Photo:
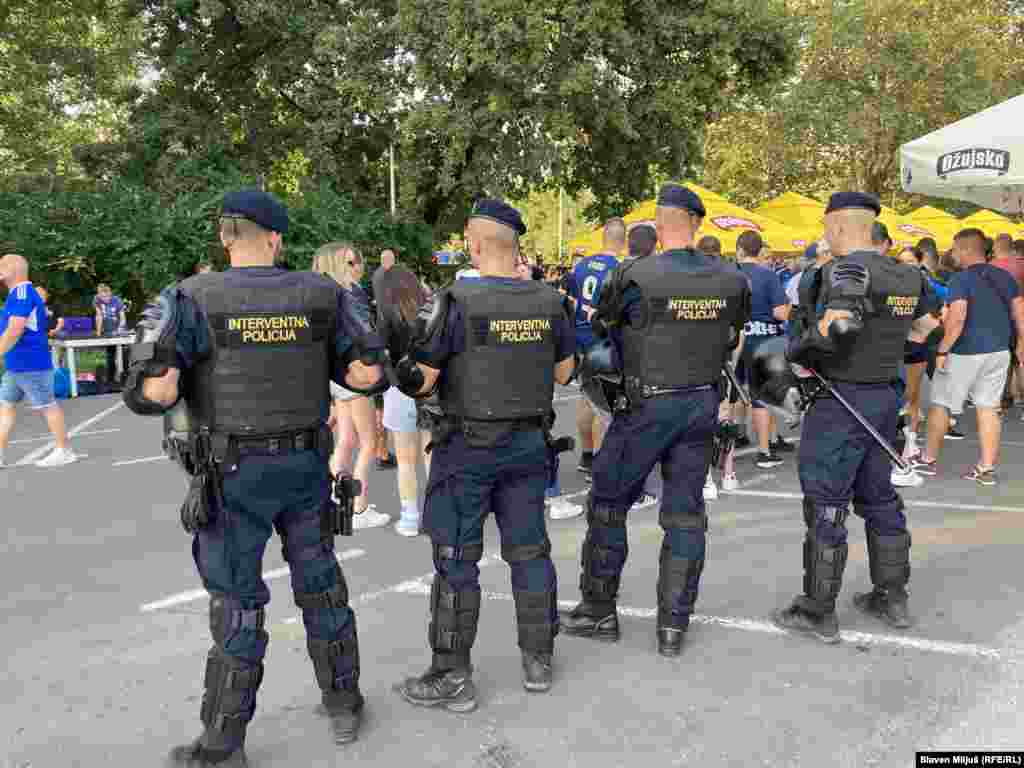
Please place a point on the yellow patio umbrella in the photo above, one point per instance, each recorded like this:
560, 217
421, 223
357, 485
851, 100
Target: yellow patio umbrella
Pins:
935, 223
727, 222
796, 210
724, 220
902, 230
992, 224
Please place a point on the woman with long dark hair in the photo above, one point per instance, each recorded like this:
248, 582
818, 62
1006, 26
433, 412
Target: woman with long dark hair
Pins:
399, 299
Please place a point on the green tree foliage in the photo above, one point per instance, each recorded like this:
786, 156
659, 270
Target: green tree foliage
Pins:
64, 68
873, 74
479, 96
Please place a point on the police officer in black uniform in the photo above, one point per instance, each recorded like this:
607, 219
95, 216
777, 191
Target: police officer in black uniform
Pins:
855, 314
240, 362
495, 347
673, 318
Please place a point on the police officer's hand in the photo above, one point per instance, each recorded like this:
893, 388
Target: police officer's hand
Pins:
941, 359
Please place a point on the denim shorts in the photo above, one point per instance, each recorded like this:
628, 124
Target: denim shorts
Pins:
37, 386
399, 412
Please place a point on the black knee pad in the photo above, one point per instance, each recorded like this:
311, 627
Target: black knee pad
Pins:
524, 552
680, 520
835, 514
334, 597
228, 618
472, 553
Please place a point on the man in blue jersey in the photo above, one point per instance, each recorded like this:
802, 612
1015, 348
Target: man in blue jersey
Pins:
769, 310
589, 276
24, 330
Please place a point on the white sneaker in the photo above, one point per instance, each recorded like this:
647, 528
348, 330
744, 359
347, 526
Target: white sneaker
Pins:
645, 501
710, 489
563, 510
370, 518
730, 483
58, 458
909, 479
406, 530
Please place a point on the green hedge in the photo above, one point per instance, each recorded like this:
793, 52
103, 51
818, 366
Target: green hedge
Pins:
138, 242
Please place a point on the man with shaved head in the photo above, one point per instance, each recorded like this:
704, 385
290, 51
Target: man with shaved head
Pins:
28, 366
670, 320
501, 343
854, 316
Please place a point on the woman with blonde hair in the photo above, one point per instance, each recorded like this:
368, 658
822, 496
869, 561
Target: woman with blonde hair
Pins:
354, 420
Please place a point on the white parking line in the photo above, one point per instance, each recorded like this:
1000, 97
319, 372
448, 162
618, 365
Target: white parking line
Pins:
80, 434
39, 452
128, 462
909, 502
412, 586
198, 594
764, 627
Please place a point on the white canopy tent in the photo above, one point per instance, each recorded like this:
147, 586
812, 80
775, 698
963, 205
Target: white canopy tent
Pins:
979, 159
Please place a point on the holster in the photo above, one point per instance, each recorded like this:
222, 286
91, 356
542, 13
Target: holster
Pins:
340, 508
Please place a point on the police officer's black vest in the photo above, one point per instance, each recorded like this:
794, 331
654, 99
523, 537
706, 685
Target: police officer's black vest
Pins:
272, 333
687, 311
875, 355
507, 370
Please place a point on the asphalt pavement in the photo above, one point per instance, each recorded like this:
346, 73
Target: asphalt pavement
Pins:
106, 630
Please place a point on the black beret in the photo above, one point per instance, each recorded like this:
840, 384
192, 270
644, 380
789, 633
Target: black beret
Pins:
258, 207
678, 196
499, 211
841, 200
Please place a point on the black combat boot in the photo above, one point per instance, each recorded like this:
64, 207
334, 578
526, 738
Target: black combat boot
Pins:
670, 641
336, 665
448, 684
889, 561
814, 612
453, 622
593, 619
678, 583
229, 701
537, 625
194, 755
595, 616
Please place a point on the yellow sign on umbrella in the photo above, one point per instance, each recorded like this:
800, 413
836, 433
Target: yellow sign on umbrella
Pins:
941, 226
992, 224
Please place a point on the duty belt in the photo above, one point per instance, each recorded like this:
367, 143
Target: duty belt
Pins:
277, 444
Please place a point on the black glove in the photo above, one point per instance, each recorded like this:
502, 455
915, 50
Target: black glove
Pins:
154, 351
197, 512
409, 378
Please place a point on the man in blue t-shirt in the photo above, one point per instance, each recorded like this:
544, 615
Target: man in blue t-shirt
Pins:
29, 368
985, 313
769, 309
588, 277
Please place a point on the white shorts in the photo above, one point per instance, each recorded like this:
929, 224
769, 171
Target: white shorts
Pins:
399, 412
983, 377
339, 392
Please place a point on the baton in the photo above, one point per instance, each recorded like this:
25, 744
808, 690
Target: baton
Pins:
875, 434
731, 376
